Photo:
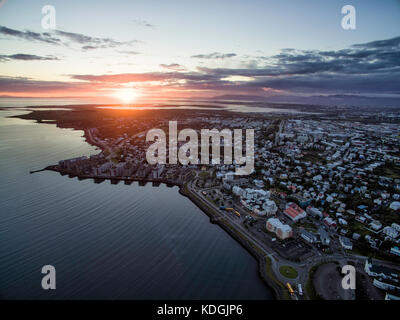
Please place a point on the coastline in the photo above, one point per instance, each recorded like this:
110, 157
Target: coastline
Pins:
264, 264
277, 291
266, 275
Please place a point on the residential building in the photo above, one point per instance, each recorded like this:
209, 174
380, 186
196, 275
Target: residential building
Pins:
294, 212
282, 231
346, 243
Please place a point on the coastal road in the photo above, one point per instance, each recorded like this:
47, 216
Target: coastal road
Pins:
267, 252
276, 263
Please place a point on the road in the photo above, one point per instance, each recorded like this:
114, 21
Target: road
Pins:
276, 262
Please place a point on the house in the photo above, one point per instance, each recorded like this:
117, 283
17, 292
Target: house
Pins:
324, 237
389, 296
396, 226
395, 251
361, 219
346, 243
390, 232
308, 236
294, 212
259, 183
380, 271
375, 225
386, 284
352, 212
356, 236
314, 212
329, 222
395, 205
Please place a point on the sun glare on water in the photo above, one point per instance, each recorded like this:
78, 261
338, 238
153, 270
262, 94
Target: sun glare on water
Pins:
127, 95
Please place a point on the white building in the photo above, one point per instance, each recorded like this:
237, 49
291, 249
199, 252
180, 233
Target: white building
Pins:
386, 285
308, 236
376, 225
395, 205
238, 191
396, 227
270, 207
346, 243
282, 231
395, 250
383, 272
390, 232
314, 212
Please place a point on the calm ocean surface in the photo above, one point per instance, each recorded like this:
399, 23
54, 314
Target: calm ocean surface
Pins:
105, 241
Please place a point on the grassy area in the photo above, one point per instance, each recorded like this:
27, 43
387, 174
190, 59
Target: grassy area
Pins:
391, 172
204, 175
312, 294
365, 251
313, 158
307, 225
271, 275
359, 228
288, 272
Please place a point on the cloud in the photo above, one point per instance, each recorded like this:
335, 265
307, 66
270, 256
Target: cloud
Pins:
129, 52
29, 85
92, 42
26, 57
173, 66
44, 37
144, 77
364, 69
60, 37
143, 23
215, 55
370, 67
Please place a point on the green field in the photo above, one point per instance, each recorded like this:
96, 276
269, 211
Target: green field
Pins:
288, 272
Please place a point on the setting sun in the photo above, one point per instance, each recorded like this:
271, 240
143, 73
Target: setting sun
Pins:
126, 95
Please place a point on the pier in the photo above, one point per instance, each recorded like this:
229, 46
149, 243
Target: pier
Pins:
114, 180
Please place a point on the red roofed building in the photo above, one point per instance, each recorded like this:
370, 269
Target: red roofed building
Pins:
294, 212
283, 195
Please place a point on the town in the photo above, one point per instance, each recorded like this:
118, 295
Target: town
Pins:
325, 191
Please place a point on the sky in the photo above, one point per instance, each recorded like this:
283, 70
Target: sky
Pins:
141, 49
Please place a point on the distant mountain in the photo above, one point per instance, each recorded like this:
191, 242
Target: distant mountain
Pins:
330, 100
241, 97
340, 100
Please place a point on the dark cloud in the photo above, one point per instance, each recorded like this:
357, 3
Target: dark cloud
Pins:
145, 77
25, 57
23, 84
59, 37
173, 66
92, 42
215, 55
370, 68
30, 35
